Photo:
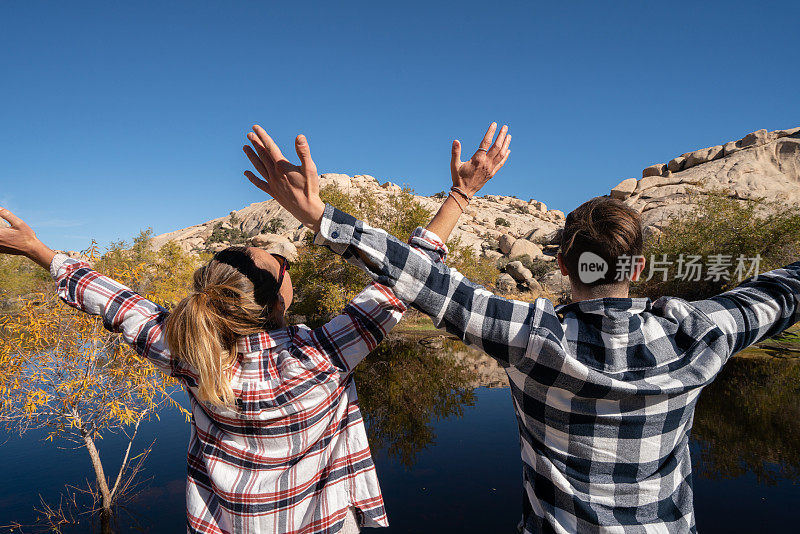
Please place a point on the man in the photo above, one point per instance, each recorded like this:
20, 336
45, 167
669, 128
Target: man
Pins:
605, 387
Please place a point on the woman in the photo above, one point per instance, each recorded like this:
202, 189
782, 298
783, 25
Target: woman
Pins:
277, 442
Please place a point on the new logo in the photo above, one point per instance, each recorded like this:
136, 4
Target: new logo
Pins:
591, 267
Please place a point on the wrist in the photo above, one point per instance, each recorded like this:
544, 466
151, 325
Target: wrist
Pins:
463, 192
41, 254
313, 216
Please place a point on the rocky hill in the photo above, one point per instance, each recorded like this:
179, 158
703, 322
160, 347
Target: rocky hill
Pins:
486, 220
761, 164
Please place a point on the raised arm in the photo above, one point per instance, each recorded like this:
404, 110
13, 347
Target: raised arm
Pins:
349, 337
139, 320
500, 327
469, 177
758, 309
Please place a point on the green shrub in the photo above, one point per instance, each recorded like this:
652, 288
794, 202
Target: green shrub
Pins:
720, 225
233, 235
471, 265
500, 221
274, 226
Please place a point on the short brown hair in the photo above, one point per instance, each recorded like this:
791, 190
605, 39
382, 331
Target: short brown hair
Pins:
606, 227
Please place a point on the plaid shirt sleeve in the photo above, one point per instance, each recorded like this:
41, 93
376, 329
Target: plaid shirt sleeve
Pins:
363, 323
498, 326
140, 321
350, 336
759, 308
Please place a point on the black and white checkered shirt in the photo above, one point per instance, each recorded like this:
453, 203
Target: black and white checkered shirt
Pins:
604, 389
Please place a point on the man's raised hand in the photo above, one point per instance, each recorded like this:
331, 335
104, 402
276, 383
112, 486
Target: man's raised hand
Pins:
296, 188
470, 176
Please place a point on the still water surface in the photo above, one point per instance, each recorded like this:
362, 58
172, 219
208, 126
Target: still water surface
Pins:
446, 450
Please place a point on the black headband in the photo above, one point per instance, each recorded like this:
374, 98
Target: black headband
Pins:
265, 285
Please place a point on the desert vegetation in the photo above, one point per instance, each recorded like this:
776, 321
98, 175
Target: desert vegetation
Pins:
719, 229
63, 373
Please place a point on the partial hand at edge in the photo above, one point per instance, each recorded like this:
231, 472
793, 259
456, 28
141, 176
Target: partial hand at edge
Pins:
20, 239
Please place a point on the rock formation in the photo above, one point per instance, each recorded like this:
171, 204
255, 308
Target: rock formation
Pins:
489, 220
760, 165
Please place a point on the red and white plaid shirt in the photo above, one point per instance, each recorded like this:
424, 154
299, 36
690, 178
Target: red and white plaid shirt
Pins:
292, 456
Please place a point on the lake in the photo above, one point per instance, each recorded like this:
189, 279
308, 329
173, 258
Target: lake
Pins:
445, 443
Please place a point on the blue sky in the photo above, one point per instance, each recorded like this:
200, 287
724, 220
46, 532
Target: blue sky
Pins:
118, 117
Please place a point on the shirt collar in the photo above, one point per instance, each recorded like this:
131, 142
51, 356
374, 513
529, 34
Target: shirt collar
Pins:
262, 341
608, 306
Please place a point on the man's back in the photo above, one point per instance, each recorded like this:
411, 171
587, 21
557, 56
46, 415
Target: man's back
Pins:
604, 389
605, 397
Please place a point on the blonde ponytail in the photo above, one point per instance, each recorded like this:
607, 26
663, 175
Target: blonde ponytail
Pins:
203, 328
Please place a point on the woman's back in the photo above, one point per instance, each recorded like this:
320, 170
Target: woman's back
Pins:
290, 454
294, 446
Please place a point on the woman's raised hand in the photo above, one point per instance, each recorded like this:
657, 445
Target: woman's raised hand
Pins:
18, 238
296, 188
470, 176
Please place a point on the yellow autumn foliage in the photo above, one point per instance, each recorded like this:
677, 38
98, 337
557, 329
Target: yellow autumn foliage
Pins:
61, 370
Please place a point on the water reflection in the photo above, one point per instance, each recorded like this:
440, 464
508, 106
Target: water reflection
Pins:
748, 421
405, 386
430, 430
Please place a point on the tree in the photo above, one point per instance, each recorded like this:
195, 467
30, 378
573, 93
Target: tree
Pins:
60, 370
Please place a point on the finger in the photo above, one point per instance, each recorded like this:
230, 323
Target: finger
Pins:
498, 143
258, 163
455, 159
12, 219
258, 182
304, 153
504, 149
261, 150
502, 161
270, 146
487, 139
